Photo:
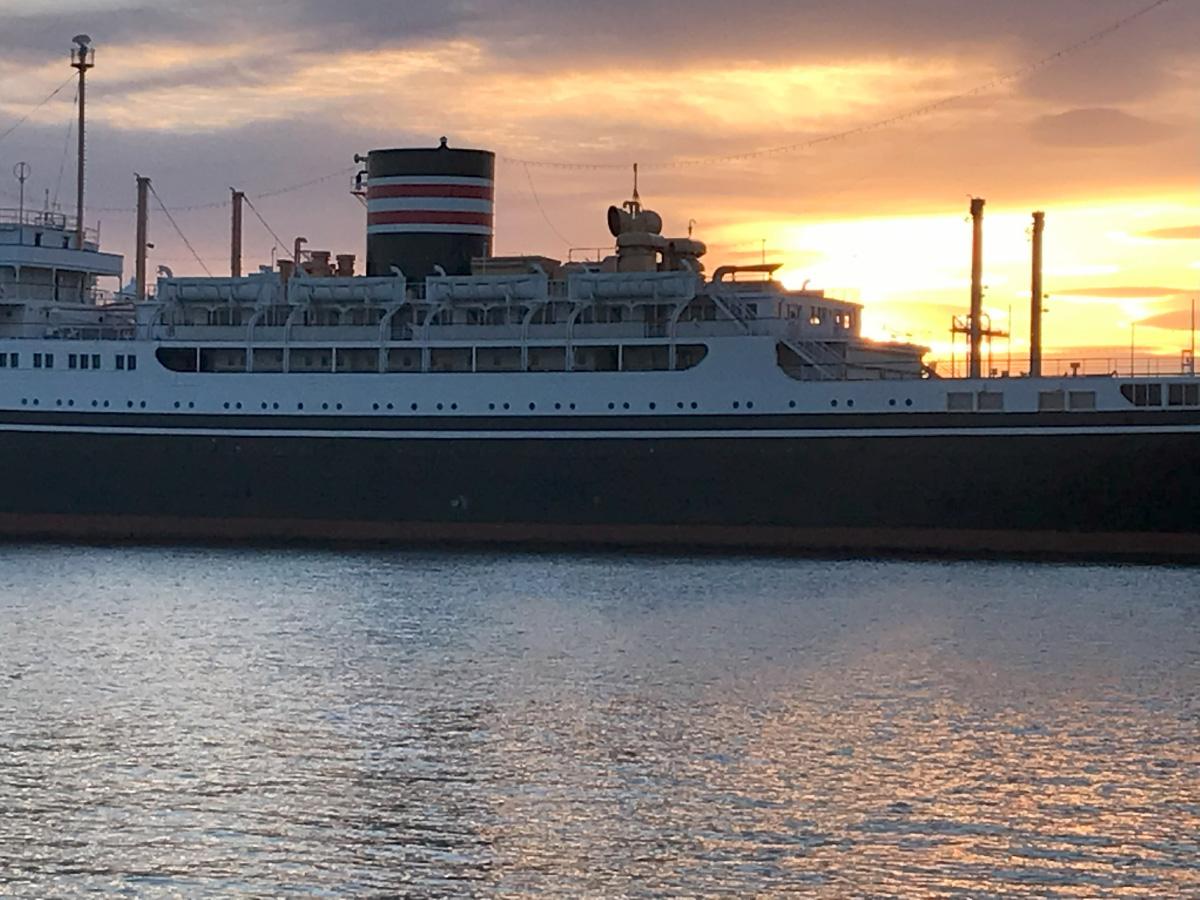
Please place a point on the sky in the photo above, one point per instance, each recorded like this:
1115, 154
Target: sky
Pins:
270, 94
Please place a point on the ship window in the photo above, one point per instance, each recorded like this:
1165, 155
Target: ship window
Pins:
121, 362
49, 360
960, 401
991, 401
1083, 400
131, 364
1175, 395
72, 361
1191, 394
37, 360
1156, 395
95, 360
3, 360
83, 361
1052, 401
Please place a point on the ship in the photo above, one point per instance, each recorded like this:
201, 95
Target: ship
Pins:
447, 395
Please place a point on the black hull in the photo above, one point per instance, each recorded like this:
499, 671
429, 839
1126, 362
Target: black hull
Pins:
1120, 494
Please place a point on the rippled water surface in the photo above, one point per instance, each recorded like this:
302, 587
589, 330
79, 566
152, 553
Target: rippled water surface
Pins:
224, 723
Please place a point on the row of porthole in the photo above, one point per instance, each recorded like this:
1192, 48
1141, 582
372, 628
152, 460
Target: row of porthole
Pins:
440, 407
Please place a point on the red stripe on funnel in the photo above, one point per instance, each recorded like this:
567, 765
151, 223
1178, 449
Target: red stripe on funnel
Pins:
429, 217
473, 192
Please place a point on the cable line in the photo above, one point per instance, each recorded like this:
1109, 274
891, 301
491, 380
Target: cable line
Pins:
538, 202
21, 121
916, 112
178, 230
279, 244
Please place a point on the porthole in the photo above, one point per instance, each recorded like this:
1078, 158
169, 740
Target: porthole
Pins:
106, 404
390, 406
95, 403
264, 406
35, 403
375, 406
891, 402
833, 403
70, 403
908, 403
339, 406
440, 407
572, 406
625, 405
612, 406
191, 405
143, 404
299, 406
491, 406
237, 406
24, 401
558, 406
679, 406
750, 404
695, 406
324, 406
532, 406
414, 407
792, 404
274, 406
506, 406
129, 404
453, 406
58, 403
177, 404
226, 405
736, 405
850, 403
653, 406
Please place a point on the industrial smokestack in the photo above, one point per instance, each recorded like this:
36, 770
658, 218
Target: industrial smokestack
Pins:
1035, 309
143, 214
977, 288
235, 235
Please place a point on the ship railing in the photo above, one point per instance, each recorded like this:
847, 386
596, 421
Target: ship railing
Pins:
1067, 366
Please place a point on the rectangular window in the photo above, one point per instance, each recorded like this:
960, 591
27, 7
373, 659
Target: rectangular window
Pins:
960, 401
1156, 395
1175, 395
14, 360
991, 401
37, 360
3, 360
1052, 401
1191, 394
1141, 395
49, 360
1083, 400
95, 360
132, 364
120, 362
83, 361
72, 361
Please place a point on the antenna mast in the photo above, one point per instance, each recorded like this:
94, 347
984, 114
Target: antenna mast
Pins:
83, 57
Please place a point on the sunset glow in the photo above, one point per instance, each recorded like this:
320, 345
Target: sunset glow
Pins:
878, 216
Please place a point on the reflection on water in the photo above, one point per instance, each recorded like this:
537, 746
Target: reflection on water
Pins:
205, 722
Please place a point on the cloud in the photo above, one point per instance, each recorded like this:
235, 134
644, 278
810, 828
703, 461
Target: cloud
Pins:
1183, 233
1122, 292
1097, 128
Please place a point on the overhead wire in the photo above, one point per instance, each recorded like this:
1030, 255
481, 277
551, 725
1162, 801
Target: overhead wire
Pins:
62, 165
279, 244
886, 122
25, 118
538, 203
179, 231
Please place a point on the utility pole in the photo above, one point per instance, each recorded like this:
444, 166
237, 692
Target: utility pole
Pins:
235, 250
143, 215
976, 323
83, 57
1037, 296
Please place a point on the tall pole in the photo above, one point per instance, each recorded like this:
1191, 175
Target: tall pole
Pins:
1036, 298
235, 249
976, 287
143, 215
82, 58
21, 170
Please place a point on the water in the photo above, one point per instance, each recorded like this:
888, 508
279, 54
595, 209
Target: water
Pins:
223, 723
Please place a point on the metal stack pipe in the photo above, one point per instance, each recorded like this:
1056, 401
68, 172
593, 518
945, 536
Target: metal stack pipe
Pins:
1035, 309
143, 215
976, 362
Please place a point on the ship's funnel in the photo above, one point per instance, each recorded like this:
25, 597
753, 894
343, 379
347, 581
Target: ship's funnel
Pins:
428, 208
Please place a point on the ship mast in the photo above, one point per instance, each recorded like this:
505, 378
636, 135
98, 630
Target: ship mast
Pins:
83, 57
